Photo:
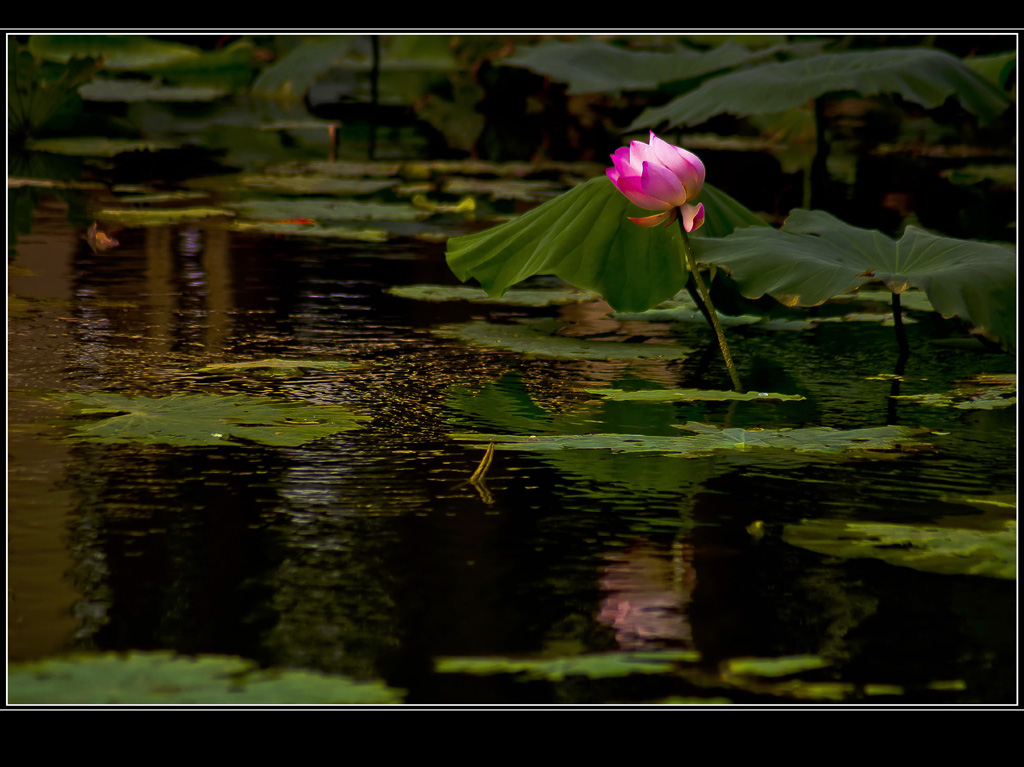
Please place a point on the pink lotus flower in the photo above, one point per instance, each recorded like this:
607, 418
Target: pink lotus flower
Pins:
659, 176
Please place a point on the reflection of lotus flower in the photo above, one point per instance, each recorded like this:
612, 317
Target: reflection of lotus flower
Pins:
662, 177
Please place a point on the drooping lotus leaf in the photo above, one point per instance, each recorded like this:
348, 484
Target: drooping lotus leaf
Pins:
584, 238
274, 364
691, 395
931, 548
816, 257
596, 666
478, 296
534, 337
207, 419
921, 75
708, 439
162, 677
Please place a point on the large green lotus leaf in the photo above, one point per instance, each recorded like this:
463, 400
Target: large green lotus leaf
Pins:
162, 677
708, 439
293, 74
133, 52
931, 548
597, 666
208, 419
923, 76
585, 238
591, 66
816, 257
534, 337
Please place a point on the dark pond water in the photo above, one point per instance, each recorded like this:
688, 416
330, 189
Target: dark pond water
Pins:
367, 553
611, 576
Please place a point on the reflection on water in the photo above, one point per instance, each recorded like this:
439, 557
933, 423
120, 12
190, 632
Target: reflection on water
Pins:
369, 553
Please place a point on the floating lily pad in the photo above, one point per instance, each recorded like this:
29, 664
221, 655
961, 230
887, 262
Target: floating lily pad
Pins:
162, 677
534, 337
328, 210
479, 296
135, 90
208, 419
597, 666
94, 146
158, 216
931, 548
274, 364
707, 439
309, 230
774, 667
691, 395
314, 184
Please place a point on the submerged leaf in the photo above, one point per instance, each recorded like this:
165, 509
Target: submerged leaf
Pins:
597, 666
535, 337
691, 395
208, 419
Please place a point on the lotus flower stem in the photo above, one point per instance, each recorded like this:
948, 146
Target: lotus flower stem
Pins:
691, 264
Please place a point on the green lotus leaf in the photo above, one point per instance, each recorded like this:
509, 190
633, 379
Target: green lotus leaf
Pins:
923, 76
207, 419
162, 677
591, 66
708, 439
584, 237
534, 337
596, 666
690, 395
931, 548
816, 257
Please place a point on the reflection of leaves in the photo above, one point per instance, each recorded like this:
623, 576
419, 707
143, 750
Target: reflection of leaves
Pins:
931, 548
162, 677
707, 439
534, 337
815, 257
584, 237
208, 419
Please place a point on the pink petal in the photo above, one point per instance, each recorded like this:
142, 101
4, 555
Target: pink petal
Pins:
659, 182
667, 218
631, 187
693, 217
686, 166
